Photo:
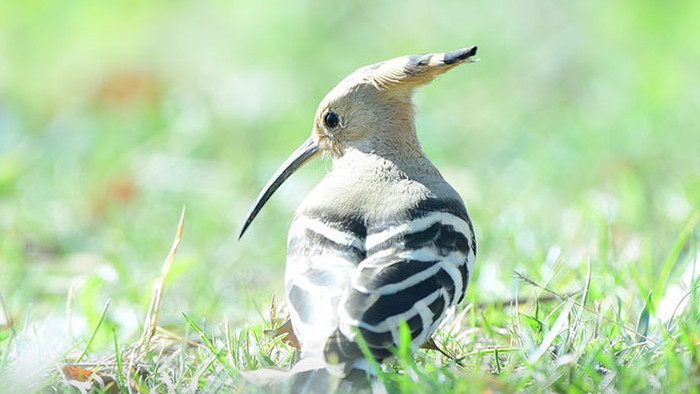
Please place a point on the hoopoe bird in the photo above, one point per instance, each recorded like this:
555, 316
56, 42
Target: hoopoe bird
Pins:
383, 238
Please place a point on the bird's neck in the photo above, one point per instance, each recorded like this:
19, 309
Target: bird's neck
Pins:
393, 140
374, 184
387, 158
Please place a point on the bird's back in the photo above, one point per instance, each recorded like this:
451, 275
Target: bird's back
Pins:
380, 240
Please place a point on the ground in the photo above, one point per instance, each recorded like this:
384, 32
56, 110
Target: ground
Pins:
574, 143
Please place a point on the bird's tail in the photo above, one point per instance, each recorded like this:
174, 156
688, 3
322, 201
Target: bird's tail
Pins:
315, 376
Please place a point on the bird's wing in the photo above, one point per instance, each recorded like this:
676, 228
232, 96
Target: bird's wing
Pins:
323, 250
417, 266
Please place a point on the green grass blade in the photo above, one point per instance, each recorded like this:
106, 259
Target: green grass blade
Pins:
672, 258
94, 332
210, 345
121, 379
642, 327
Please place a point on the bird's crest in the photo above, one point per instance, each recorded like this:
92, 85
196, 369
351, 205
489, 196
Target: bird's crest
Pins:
412, 70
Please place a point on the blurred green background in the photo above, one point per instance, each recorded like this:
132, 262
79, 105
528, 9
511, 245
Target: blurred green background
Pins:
574, 139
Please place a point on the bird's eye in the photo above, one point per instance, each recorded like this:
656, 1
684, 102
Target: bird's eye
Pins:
331, 119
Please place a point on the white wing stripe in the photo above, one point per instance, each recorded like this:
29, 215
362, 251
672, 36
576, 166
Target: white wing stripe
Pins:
340, 237
418, 225
424, 254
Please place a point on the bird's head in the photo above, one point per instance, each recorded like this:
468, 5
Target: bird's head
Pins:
366, 111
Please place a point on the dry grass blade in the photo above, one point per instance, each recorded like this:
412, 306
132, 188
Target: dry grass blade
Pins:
582, 305
525, 300
525, 279
430, 344
123, 365
151, 322
287, 332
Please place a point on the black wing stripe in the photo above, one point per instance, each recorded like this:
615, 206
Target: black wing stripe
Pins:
438, 306
373, 278
374, 309
444, 279
464, 272
348, 223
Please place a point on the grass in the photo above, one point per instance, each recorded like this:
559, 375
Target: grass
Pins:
574, 143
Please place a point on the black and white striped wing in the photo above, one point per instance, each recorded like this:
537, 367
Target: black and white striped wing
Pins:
417, 267
322, 252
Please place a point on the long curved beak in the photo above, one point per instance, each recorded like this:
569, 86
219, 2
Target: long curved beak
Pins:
308, 150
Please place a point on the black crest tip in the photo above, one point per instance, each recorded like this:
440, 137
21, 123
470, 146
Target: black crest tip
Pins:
459, 54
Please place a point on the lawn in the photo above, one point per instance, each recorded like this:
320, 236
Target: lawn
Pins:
575, 143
